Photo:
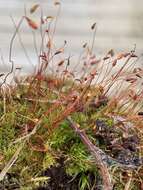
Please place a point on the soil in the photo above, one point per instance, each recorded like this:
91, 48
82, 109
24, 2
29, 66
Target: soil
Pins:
59, 180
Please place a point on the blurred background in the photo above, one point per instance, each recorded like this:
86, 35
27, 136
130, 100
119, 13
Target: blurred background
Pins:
119, 26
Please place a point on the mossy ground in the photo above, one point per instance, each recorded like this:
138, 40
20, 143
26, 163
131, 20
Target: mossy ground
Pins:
54, 140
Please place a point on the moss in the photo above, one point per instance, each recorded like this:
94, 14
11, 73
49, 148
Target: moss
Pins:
62, 136
20, 118
79, 160
7, 130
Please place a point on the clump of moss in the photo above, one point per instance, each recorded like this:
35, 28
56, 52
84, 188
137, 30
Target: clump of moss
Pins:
43, 149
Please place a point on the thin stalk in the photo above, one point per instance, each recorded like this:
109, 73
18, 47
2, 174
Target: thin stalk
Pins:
10, 52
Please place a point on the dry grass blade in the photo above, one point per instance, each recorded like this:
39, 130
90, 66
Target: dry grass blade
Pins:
128, 184
107, 184
10, 163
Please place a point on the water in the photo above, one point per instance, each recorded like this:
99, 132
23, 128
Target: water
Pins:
119, 26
